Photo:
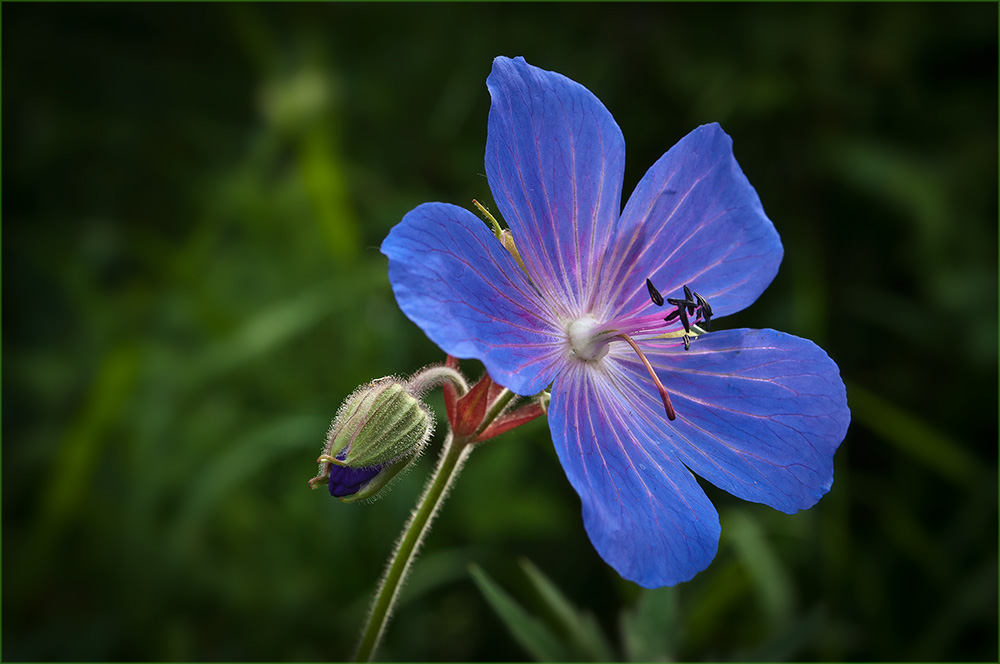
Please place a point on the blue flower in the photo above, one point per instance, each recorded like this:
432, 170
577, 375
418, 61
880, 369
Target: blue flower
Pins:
643, 395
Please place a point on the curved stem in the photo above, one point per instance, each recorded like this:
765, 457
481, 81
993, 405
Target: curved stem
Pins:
454, 452
434, 376
453, 455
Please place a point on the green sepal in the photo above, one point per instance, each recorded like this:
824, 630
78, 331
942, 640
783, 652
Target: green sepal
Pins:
381, 422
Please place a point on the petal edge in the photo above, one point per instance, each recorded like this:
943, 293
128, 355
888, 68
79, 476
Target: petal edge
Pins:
454, 280
760, 414
643, 510
695, 219
555, 161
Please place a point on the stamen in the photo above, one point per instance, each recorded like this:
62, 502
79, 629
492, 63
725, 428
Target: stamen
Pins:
704, 310
684, 318
667, 406
654, 294
681, 311
705, 307
693, 304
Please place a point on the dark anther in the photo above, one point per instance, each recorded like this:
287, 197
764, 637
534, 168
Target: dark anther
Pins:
687, 342
684, 319
689, 299
654, 294
692, 302
705, 307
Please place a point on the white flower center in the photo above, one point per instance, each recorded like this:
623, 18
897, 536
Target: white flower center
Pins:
584, 338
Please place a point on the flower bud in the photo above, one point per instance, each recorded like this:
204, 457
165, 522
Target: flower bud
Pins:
378, 431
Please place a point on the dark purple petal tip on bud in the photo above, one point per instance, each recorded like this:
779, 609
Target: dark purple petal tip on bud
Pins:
346, 481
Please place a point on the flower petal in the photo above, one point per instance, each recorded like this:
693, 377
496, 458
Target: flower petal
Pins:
694, 219
760, 413
555, 160
454, 279
347, 480
643, 510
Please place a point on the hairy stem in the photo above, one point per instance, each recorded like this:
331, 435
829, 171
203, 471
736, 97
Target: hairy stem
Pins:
453, 455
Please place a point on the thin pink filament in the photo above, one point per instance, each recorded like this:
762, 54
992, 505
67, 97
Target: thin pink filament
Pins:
667, 406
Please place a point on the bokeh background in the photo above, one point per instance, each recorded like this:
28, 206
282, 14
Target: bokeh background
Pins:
193, 197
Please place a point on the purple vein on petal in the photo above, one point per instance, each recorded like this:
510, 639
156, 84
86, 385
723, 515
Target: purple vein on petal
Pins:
636, 391
641, 226
525, 293
763, 455
543, 258
611, 403
652, 244
607, 427
569, 292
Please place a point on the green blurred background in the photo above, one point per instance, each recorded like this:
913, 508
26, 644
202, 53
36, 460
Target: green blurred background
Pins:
193, 200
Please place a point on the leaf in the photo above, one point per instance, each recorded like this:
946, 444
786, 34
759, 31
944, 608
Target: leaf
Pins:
916, 437
534, 636
788, 642
651, 631
764, 569
244, 459
582, 631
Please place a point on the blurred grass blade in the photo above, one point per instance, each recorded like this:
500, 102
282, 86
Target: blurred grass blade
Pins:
727, 587
326, 185
257, 450
790, 639
528, 631
651, 631
763, 567
974, 597
270, 328
932, 447
582, 631
87, 439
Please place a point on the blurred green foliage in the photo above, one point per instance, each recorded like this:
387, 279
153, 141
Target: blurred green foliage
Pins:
193, 200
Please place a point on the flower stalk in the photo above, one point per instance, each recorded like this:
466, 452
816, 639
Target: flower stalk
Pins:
453, 456
474, 415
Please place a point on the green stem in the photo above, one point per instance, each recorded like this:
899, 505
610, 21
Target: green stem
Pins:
453, 455
496, 408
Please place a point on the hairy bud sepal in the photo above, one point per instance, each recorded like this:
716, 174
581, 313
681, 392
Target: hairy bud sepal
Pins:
378, 431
